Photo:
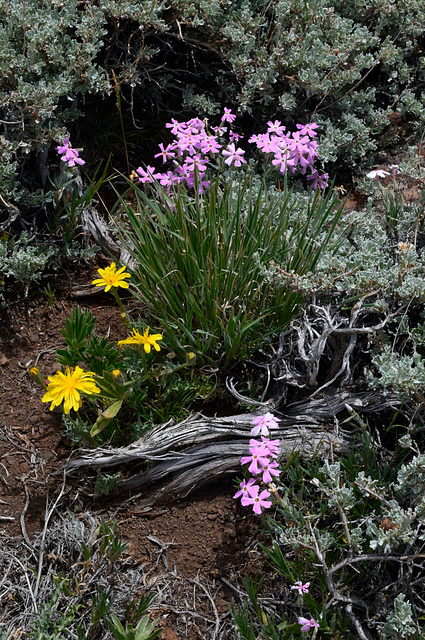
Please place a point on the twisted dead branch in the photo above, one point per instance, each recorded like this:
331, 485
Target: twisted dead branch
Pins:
194, 452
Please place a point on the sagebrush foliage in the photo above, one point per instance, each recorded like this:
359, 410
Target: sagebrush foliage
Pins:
347, 65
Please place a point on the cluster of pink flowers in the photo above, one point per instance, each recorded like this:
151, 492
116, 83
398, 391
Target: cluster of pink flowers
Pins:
292, 151
194, 146
306, 623
69, 155
262, 462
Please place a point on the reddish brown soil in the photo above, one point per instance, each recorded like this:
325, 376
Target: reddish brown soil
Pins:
207, 537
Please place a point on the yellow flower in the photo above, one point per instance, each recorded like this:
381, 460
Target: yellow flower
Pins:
146, 340
36, 376
65, 387
116, 373
112, 278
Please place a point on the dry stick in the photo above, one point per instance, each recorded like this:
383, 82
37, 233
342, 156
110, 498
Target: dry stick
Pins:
43, 537
31, 592
217, 617
22, 517
373, 557
359, 628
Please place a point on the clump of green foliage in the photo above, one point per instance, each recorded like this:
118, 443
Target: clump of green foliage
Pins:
351, 530
136, 389
199, 260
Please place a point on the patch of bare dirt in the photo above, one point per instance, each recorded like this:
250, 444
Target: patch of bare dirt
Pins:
205, 543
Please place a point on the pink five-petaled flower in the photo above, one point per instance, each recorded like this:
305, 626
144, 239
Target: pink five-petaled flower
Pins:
247, 489
233, 155
165, 152
307, 624
64, 148
300, 587
319, 180
262, 424
149, 175
308, 129
272, 446
69, 155
258, 501
228, 116
275, 127
259, 456
269, 470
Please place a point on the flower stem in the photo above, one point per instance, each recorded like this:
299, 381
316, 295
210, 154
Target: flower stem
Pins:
124, 315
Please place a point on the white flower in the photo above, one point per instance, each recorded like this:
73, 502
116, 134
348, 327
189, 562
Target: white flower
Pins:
377, 173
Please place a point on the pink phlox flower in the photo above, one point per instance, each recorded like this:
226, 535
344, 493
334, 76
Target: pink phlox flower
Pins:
255, 138
219, 130
234, 136
210, 145
269, 470
276, 127
271, 446
319, 180
71, 157
259, 456
233, 155
175, 126
377, 173
196, 124
182, 172
300, 159
168, 179
296, 143
263, 424
307, 624
258, 502
300, 587
165, 153
228, 116
148, 175
64, 148
247, 488
268, 144
197, 161
308, 129
280, 162
188, 142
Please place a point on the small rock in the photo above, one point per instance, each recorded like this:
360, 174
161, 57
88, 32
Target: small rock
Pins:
230, 529
216, 573
212, 516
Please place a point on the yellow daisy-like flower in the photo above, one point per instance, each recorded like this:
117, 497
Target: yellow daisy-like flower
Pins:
116, 373
144, 340
110, 277
65, 387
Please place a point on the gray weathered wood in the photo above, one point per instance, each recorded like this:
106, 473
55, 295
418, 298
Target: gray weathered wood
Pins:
200, 449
